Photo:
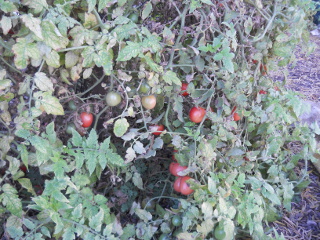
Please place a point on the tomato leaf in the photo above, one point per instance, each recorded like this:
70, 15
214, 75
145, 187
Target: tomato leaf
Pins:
132, 50
120, 127
146, 11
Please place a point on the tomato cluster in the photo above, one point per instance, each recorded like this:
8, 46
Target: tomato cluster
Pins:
180, 184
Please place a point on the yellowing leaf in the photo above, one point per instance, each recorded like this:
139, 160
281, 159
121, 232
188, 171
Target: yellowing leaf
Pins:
146, 11
43, 82
120, 127
52, 36
23, 51
6, 24
33, 24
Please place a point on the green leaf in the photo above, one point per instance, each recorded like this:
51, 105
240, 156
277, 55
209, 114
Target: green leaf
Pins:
124, 31
95, 222
45, 101
92, 140
23, 51
171, 77
33, 24
11, 200
104, 59
37, 5
146, 10
91, 5
103, 4
207, 2
137, 180
52, 59
132, 50
120, 127
7, 6
30, 225
154, 66
52, 36
143, 214
26, 183
40, 144
43, 82
205, 227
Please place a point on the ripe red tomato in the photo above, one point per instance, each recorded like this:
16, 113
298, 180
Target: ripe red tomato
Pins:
184, 87
236, 117
181, 186
157, 129
149, 102
86, 119
262, 92
175, 167
196, 114
23, 168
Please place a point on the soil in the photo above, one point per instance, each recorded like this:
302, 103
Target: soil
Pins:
303, 221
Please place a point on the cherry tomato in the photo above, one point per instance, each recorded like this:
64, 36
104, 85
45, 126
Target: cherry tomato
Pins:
70, 126
113, 99
196, 114
184, 87
157, 129
72, 106
176, 184
219, 233
262, 92
176, 220
134, 17
86, 119
184, 187
175, 167
236, 117
149, 102
23, 168
144, 88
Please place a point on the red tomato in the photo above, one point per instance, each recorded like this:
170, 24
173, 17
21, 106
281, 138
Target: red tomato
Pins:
196, 114
236, 117
181, 186
184, 87
86, 119
246, 158
254, 61
23, 168
157, 129
262, 92
176, 184
184, 187
175, 167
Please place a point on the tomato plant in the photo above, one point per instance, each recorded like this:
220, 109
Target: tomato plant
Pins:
149, 102
86, 119
157, 129
196, 114
113, 99
181, 186
69, 128
184, 87
134, 17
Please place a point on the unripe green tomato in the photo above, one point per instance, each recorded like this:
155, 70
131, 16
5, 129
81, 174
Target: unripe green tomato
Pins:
72, 106
219, 233
134, 17
164, 236
113, 99
176, 221
147, 204
70, 126
144, 88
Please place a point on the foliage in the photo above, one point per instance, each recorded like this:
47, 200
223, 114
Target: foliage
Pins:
93, 183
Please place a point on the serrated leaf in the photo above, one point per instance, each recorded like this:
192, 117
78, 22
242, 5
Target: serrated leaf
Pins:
103, 4
71, 59
171, 77
95, 222
30, 225
43, 82
139, 148
46, 102
26, 183
143, 214
205, 227
23, 51
7, 6
6, 24
132, 50
33, 24
91, 5
52, 59
146, 10
52, 36
37, 5
235, 152
104, 59
120, 127
130, 155
11, 200
137, 180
